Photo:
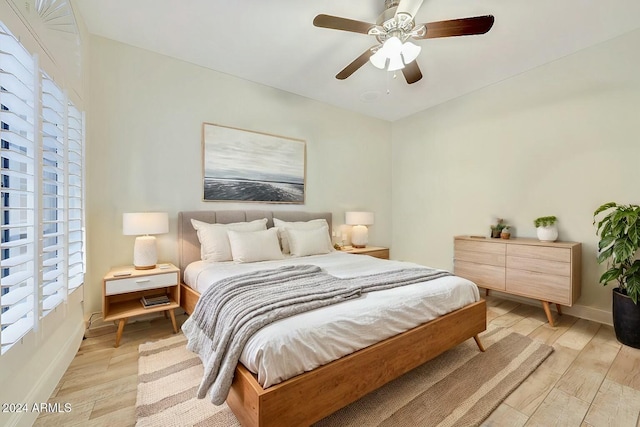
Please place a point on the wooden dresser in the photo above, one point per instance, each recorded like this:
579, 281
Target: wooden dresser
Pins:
546, 271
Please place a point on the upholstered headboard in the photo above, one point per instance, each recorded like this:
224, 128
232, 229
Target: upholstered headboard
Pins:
189, 246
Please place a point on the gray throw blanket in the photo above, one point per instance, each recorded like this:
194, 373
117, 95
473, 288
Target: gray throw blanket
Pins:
230, 311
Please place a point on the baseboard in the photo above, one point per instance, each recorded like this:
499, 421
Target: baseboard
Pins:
583, 312
47, 382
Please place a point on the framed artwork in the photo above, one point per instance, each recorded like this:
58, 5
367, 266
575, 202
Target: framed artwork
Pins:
245, 166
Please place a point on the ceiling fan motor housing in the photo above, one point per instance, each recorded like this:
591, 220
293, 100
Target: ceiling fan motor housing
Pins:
400, 25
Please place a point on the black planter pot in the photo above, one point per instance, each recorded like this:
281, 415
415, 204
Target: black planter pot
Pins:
626, 319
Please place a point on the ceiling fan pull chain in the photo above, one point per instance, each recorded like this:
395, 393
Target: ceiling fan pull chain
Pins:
387, 79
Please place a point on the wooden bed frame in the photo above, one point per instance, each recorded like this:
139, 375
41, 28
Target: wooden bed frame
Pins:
309, 397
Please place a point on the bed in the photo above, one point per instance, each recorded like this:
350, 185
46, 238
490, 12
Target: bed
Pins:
310, 396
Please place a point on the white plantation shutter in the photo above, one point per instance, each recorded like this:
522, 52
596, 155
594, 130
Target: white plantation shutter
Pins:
17, 132
42, 175
75, 198
54, 253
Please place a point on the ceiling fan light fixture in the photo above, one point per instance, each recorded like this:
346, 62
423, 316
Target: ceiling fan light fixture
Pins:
378, 59
392, 50
410, 52
395, 63
392, 47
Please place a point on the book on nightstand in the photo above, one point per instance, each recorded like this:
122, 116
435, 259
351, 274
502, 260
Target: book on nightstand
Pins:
152, 301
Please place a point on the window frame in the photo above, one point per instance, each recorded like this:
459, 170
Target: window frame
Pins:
53, 157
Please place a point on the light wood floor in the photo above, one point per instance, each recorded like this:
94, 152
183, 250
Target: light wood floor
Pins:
589, 380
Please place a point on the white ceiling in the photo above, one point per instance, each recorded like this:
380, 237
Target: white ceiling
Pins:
275, 43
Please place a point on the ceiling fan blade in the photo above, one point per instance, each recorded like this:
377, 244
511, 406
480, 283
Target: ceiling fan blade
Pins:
412, 72
410, 7
355, 65
344, 24
458, 27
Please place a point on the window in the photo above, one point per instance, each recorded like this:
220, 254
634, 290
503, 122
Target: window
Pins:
41, 155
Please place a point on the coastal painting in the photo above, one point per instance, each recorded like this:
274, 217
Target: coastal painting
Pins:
246, 166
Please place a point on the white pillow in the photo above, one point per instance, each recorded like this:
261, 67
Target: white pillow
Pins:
309, 242
252, 246
283, 226
214, 242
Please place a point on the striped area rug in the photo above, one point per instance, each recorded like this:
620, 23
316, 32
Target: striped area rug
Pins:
459, 388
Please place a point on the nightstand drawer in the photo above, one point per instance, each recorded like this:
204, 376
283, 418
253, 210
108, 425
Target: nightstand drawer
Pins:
140, 283
381, 253
374, 251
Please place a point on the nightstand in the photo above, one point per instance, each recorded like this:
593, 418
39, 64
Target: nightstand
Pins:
374, 251
123, 287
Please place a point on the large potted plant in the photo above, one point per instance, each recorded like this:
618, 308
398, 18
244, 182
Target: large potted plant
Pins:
618, 227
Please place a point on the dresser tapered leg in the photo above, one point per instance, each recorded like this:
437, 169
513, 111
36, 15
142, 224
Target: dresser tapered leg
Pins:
547, 311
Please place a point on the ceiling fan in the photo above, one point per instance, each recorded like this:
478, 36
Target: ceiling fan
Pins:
393, 29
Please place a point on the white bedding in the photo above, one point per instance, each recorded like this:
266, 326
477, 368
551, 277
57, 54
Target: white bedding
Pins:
303, 342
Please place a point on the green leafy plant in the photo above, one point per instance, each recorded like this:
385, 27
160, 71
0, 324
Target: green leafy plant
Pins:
619, 231
499, 225
545, 221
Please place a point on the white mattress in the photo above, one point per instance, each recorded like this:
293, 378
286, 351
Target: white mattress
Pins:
303, 342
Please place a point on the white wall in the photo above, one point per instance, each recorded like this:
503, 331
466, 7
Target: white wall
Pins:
144, 149
558, 140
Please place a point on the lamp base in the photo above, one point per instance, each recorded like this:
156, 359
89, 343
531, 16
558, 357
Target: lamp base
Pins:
145, 255
359, 236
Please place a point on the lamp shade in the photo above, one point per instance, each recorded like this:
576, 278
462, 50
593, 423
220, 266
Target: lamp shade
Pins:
143, 223
359, 218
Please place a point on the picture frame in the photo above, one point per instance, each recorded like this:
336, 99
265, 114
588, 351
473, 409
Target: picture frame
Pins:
246, 166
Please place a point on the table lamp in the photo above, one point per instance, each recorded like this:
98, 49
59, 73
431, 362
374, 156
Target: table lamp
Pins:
359, 232
143, 224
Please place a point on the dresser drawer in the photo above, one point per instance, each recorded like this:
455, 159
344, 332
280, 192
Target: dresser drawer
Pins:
140, 283
545, 287
485, 276
481, 246
539, 265
540, 252
480, 257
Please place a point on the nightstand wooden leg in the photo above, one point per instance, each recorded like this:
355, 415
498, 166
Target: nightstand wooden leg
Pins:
121, 324
173, 320
558, 307
547, 311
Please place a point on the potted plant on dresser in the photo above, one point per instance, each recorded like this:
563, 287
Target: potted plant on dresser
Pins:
619, 230
546, 228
